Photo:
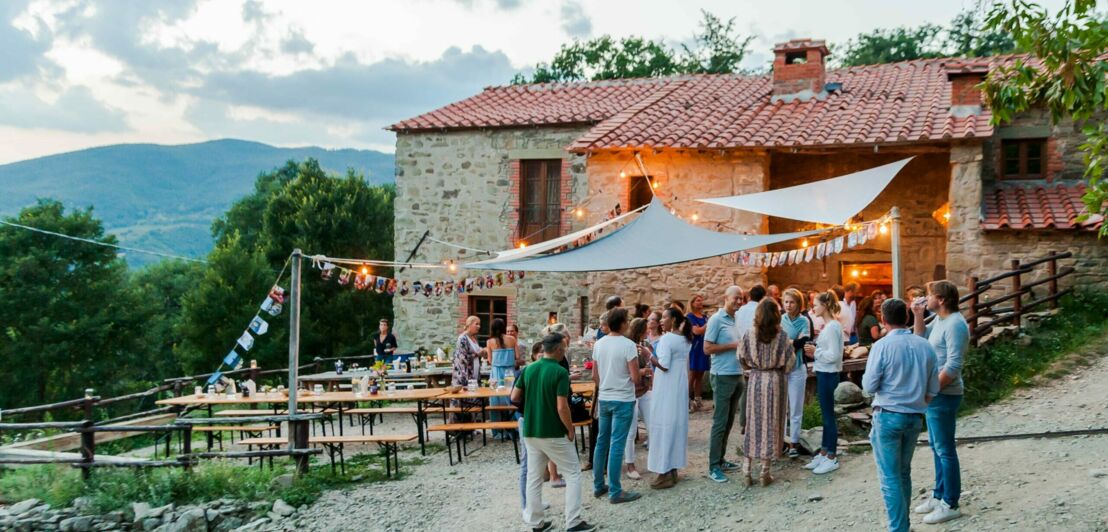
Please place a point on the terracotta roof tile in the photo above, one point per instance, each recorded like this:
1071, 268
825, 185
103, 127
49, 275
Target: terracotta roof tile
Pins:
1035, 206
897, 102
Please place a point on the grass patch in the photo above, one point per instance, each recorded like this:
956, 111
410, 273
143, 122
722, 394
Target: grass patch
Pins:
117, 489
813, 416
994, 370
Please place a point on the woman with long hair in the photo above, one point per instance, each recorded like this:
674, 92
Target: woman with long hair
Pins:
699, 362
669, 402
868, 327
654, 330
467, 364
637, 334
798, 326
827, 354
501, 349
767, 355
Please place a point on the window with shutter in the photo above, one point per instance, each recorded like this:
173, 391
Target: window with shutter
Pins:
540, 204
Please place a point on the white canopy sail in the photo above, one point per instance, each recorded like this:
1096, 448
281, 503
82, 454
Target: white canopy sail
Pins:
830, 201
655, 238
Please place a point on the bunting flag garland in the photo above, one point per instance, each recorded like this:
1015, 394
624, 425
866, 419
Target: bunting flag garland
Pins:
258, 326
858, 235
246, 341
392, 287
232, 360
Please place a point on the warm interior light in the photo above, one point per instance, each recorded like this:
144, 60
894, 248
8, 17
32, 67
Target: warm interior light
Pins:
853, 273
695, 216
452, 266
522, 245
622, 173
804, 243
884, 229
654, 184
865, 273
578, 212
946, 215
365, 270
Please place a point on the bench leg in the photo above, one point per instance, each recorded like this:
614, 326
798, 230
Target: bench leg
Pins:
449, 451
342, 458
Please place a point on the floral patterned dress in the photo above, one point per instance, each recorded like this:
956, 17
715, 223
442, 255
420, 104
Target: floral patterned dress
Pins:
766, 393
467, 366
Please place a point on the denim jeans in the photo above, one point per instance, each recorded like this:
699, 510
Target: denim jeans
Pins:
825, 392
726, 391
522, 470
941, 416
894, 440
615, 423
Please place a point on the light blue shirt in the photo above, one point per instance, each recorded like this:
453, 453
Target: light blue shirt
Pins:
949, 337
901, 372
721, 330
795, 328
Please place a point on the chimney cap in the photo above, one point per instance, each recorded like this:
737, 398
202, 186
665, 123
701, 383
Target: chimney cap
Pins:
965, 68
802, 44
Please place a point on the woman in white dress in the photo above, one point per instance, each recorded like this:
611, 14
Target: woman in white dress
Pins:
669, 402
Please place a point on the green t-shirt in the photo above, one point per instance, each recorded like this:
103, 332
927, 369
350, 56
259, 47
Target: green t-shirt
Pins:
542, 383
864, 337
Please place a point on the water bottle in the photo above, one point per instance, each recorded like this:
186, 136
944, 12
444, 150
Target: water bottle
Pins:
338, 367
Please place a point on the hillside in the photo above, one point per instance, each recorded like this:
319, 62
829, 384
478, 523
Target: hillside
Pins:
164, 198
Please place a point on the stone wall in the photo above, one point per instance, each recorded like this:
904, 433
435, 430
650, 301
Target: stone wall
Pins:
681, 176
972, 251
459, 186
1063, 159
918, 190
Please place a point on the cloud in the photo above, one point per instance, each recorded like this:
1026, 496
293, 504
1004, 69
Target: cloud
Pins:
574, 20
508, 4
21, 53
388, 90
296, 43
74, 110
252, 11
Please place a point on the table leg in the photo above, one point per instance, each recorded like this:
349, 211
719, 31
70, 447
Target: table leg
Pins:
419, 428
340, 418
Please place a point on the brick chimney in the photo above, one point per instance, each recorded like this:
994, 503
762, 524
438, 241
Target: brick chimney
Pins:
964, 76
799, 70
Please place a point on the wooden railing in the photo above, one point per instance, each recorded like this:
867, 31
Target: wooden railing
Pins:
982, 317
87, 427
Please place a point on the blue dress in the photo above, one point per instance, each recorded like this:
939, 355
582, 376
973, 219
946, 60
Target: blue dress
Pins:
698, 360
503, 365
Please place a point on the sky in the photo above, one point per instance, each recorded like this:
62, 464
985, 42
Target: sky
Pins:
82, 73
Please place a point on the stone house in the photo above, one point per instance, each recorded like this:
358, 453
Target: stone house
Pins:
520, 164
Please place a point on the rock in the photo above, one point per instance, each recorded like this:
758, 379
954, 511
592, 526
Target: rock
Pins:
1098, 473
76, 524
189, 521
255, 524
22, 507
283, 482
283, 508
260, 506
815, 497
82, 504
114, 517
848, 393
141, 511
150, 523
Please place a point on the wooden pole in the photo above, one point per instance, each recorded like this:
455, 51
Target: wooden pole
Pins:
1052, 271
894, 234
295, 432
1017, 287
88, 438
973, 310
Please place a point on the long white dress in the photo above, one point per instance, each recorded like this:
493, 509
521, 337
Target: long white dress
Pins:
669, 406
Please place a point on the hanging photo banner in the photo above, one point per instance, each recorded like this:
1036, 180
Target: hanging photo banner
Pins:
232, 359
215, 377
246, 341
258, 326
271, 307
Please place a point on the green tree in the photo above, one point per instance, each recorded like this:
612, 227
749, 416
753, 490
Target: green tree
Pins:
716, 49
159, 289
68, 316
965, 36
297, 206
1066, 76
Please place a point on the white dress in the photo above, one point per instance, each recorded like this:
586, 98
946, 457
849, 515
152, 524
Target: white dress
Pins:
669, 406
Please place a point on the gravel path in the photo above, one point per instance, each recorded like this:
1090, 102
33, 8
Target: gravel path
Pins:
1032, 484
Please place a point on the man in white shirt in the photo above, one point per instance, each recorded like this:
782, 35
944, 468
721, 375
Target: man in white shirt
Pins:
848, 310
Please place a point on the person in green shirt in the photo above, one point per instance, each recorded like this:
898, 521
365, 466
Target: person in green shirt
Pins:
543, 388
869, 329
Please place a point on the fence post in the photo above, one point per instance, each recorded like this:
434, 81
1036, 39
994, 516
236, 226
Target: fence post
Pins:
1052, 270
318, 362
298, 430
186, 447
1017, 287
88, 438
973, 310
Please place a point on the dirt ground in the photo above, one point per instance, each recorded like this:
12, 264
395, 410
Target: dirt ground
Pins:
1025, 484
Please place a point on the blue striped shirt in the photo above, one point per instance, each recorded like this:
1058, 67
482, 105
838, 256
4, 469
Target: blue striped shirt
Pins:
901, 372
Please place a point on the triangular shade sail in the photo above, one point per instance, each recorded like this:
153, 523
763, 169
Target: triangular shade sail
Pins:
655, 238
555, 243
830, 201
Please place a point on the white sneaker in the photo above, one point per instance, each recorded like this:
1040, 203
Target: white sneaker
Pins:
941, 514
827, 466
927, 506
816, 461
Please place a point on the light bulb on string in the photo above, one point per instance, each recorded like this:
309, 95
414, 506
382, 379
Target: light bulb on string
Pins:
622, 174
452, 266
579, 213
695, 216
884, 229
804, 243
522, 245
365, 270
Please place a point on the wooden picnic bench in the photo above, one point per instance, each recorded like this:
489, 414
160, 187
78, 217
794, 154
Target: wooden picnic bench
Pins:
457, 433
335, 446
244, 430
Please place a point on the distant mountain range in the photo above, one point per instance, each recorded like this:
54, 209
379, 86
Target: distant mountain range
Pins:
164, 198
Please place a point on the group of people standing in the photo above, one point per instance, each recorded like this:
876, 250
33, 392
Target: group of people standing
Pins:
754, 349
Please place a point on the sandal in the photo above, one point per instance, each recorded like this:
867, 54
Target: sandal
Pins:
747, 481
766, 479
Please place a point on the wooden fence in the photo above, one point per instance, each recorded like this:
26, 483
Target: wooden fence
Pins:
87, 427
983, 316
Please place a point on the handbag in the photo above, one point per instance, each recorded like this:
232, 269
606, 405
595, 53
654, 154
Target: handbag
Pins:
578, 411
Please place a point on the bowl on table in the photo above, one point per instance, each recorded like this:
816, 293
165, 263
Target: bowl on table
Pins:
453, 389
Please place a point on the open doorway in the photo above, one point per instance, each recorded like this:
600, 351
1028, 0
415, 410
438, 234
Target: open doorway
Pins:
870, 276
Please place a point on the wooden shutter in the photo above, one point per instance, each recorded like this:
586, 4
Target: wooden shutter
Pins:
540, 204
